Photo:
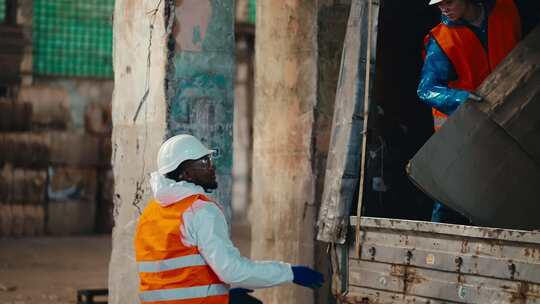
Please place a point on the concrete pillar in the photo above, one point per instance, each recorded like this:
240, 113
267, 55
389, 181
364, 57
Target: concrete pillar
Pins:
283, 209
139, 125
173, 64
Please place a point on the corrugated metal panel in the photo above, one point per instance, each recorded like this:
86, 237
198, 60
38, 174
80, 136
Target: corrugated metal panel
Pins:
450, 229
443, 263
440, 285
372, 296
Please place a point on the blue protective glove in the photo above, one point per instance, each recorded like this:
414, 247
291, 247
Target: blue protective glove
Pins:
307, 277
437, 72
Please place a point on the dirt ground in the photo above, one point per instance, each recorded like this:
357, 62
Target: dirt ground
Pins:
49, 270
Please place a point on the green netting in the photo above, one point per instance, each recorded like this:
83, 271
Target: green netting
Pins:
252, 11
73, 37
2, 10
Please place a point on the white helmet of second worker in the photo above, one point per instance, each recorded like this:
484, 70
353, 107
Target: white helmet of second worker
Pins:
435, 2
178, 149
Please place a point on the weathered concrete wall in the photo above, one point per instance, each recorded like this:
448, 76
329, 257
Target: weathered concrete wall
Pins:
81, 92
139, 127
174, 64
298, 54
283, 209
201, 81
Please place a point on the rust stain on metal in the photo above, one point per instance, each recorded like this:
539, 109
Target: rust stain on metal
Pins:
496, 233
368, 299
465, 246
535, 253
355, 299
477, 251
411, 279
414, 278
521, 295
397, 270
532, 253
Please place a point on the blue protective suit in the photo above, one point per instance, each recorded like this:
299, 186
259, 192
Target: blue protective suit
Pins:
433, 90
437, 71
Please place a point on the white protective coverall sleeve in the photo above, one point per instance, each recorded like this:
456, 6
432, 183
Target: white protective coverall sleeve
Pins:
205, 226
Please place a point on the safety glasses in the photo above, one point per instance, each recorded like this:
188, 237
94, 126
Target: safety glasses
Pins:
203, 163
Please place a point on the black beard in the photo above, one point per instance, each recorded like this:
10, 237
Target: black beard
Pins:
209, 186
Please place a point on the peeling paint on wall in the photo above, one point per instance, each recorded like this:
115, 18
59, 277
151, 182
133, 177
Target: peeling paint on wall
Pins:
201, 81
192, 18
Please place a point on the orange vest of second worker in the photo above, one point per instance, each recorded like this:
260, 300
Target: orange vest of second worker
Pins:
465, 51
169, 271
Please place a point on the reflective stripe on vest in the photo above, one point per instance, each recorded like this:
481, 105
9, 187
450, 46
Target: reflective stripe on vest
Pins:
184, 293
465, 51
170, 264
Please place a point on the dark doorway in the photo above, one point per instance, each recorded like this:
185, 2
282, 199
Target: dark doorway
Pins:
399, 123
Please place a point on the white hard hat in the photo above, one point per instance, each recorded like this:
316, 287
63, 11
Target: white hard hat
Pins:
435, 2
178, 149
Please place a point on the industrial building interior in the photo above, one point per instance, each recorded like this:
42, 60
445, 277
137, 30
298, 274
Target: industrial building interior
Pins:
90, 89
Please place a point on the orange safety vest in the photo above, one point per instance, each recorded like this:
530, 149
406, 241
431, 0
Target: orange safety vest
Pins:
466, 53
169, 271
